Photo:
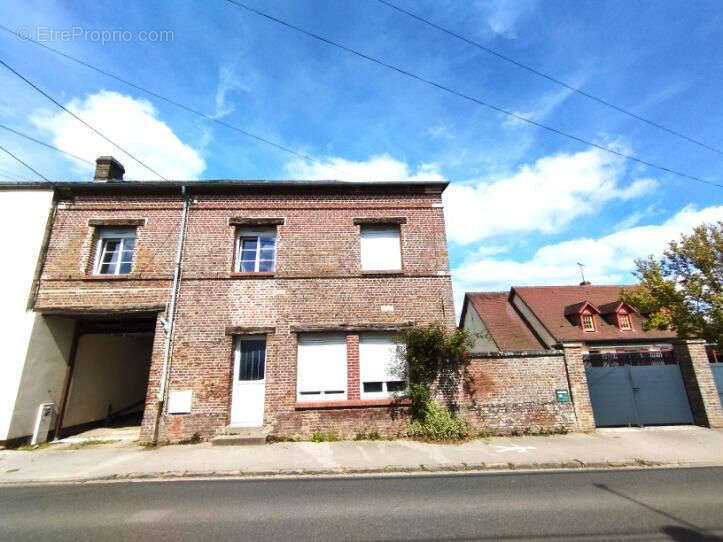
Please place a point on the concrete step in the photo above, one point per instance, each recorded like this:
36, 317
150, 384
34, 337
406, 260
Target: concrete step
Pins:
240, 436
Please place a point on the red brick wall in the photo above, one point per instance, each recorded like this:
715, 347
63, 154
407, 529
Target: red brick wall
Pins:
318, 283
699, 382
515, 392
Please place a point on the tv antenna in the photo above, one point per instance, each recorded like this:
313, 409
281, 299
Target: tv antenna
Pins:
582, 271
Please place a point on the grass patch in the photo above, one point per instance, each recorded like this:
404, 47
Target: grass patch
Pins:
331, 436
87, 444
31, 448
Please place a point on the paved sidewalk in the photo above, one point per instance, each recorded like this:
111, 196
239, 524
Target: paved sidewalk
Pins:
679, 446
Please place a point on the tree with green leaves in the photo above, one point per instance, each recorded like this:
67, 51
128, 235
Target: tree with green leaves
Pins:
682, 290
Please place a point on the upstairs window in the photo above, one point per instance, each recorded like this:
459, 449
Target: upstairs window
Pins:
588, 322
624, 321
114, 252
256, 250
380, 248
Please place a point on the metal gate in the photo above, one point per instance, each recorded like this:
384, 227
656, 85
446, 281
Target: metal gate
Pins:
643, 394
717, 369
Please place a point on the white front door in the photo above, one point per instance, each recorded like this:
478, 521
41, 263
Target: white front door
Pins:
249, 379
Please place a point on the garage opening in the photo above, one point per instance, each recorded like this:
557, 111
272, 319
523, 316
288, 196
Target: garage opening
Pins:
108, 377
637, 388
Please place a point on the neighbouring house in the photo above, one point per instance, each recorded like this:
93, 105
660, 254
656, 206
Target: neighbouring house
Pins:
195, 306
24, 221
576, 356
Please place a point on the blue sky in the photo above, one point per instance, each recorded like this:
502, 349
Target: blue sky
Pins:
524, 204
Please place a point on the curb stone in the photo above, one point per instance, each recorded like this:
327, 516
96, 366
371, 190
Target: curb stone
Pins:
462, 468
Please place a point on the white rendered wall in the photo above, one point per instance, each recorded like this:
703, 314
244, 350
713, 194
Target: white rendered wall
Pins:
110, 369
23, 217
474, 325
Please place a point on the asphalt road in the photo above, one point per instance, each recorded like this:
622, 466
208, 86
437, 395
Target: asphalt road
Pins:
684, 504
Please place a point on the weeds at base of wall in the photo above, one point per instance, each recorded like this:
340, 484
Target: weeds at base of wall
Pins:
525, 432
331, 436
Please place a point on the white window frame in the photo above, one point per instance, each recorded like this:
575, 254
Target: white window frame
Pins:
627, 318
320, 393
114, 234
592, 322
257, 234
365, 248
367, 344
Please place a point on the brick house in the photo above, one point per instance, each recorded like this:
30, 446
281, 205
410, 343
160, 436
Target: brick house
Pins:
576, 356
281, 314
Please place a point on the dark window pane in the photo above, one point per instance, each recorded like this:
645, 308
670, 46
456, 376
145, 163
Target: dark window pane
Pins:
127, 256
267, 242
248, 254
396, 385
253, 358
248, 267
129, 244
248, 244
266, 254
333, 392
371, 387
125, 268
111, 245
266, 265
105, 269
109, 257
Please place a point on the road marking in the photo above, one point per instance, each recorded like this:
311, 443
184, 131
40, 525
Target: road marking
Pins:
514, 448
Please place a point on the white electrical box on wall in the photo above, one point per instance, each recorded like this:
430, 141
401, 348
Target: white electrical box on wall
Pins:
179, 401
43, 422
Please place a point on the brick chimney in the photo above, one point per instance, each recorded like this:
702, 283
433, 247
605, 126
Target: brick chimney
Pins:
108, 169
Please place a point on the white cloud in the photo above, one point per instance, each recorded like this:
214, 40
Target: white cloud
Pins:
608, 259
543, 197
377, 168
502, 15
229, 82
133, 124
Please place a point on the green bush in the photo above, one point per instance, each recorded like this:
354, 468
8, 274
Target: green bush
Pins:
318, 436
438, 424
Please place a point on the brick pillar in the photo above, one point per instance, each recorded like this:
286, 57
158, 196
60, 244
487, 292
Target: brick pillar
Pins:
578, 386
698, 378
352, 367
150, 413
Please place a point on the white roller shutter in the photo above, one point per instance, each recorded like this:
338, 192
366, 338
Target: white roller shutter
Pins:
322, 368
379, 362
380, 248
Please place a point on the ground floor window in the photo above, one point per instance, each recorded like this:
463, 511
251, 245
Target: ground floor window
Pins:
380, 368
321, 368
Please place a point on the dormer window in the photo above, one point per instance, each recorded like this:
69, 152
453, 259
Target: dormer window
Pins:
588, 322
624, 322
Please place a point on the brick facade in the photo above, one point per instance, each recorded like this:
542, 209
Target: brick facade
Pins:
516, 391
699, 383
318, 284
579, 392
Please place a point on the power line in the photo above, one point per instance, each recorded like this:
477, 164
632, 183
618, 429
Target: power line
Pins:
551, 78
26, 165
466, 96
175, 102
44, 144
61, 106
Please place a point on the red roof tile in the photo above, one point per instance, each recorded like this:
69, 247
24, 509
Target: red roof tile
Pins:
548, 303
503, 322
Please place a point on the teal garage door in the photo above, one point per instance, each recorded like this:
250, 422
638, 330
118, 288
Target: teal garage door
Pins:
717, 369
648, 392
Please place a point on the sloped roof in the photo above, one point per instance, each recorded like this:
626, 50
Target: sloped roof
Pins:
507, 328
548, 303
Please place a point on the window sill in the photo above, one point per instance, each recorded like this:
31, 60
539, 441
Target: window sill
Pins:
252, 275
354, 403
383, 272
108, 277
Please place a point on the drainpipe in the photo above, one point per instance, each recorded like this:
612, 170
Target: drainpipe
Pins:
168, 324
